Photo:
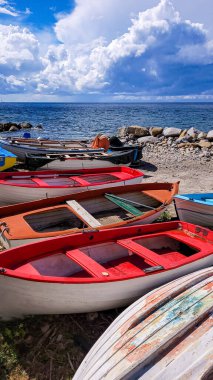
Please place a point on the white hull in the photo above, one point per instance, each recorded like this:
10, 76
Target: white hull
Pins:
20, 194
18, 242
78, 164
19, 297
133, 345
194, 212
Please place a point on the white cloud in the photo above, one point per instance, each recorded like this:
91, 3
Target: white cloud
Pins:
110, 46
7, 9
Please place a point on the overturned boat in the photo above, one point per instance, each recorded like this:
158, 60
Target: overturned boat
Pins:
166, 334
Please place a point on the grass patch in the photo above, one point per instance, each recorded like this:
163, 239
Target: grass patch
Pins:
49, 347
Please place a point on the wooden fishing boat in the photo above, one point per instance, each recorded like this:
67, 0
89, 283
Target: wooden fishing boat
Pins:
16, 187
166, 334
99, 270
97, 209
22, 146
195, 208
86, 160
20, 149
7, 159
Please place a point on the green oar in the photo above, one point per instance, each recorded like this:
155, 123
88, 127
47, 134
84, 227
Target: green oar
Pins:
127, 207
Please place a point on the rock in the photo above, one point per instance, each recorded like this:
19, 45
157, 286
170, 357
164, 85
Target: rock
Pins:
202, 135
25, 125
183, 133
138, 131
185, 138
1, 127
147, 139
13, 129
210, 135
171, 132
193, 132
8, 125
205, 144
122, 132
183, 145
39, 126
155, 131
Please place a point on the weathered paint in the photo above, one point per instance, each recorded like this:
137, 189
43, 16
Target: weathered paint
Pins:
166, 335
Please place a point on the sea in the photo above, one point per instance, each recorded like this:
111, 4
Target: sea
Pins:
85, 120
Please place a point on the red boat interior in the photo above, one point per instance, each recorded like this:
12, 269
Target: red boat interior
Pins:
66, 180
131, 257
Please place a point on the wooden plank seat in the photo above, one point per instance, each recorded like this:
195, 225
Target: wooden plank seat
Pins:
80, 180
40, 182
122, 176
83, 214
145, 253
87, 263
188, 240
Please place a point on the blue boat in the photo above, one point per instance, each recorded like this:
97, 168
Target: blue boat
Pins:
195, 208
7, 159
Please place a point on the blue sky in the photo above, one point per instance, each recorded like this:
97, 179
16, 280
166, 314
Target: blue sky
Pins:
106, 50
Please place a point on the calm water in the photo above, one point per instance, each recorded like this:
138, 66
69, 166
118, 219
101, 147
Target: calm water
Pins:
68, 120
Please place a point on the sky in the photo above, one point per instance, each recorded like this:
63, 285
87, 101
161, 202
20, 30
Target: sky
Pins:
106, 50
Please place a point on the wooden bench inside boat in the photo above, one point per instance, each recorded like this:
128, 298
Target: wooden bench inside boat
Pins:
40, 182
149, 256
80, 180
87, 263
188, 240
83, 214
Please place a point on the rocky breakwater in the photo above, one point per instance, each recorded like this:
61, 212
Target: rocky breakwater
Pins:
170, 143
13, 127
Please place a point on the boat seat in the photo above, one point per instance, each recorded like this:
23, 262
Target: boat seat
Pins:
28, 269
148, 255
83, 214
39, 182
87, 263
80, 180
122, 176
183, 238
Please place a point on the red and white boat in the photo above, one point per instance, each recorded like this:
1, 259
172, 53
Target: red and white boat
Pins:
99, 270
17, 187
167, 334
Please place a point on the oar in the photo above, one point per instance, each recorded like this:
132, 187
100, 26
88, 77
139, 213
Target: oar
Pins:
129, 201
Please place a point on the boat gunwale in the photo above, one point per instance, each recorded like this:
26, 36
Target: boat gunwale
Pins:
136, 174
167, 227
30, 207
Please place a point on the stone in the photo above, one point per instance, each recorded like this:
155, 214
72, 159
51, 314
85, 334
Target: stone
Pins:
39, 126
138, 131
122, 132
205, 144
210, 135
183, 133
193, 132
155, 131
171, 132
147, 139
13, 129
25, 125
202, 135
